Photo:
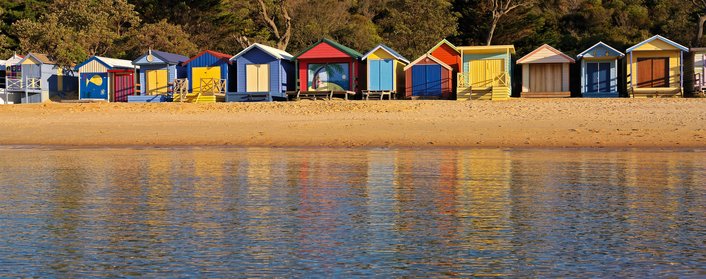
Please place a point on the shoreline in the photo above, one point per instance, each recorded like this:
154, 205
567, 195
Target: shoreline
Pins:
517, 123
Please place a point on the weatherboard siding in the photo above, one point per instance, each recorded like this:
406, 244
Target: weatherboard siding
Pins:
448, 55
206, 60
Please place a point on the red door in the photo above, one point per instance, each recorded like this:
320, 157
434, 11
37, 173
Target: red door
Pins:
123, 86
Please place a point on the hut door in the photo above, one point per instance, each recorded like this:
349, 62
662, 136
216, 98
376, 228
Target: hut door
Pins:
652, 72
381, 75
257, 78
545, 77
201, 75
434, 80
597, 77
156, 82
123, 86
419, 79
487, 73
94, 86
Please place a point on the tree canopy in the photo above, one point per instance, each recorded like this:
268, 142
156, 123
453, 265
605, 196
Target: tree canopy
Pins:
71, 31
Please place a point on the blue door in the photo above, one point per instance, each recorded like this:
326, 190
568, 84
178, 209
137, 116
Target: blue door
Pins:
386, 75
419, 80
604, 77
433, 76
94, 86
374, 66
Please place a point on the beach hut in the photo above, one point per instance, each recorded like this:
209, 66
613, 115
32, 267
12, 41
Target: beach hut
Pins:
263, 73
428, 78
161, 74
699, 69
44, 80
385, 68
13, 88
655, 68
486, 72
207, 74
328, 66
599, 71
545, 73
446, 52
103, 78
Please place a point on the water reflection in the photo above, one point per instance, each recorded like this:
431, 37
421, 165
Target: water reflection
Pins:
304, 212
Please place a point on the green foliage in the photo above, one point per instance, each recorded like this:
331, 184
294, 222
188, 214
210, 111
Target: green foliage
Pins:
71, 30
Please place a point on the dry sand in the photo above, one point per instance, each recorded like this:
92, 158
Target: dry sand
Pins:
515, 123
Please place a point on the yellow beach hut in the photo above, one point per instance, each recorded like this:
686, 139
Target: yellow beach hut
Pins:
655, 68
486, 72
385, 68
546, 73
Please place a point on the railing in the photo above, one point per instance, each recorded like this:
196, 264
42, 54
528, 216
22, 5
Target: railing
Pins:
212, 86
503, 79
180, 89
14, 84
33, 83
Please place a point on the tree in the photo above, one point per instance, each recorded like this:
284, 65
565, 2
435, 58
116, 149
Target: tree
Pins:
162, 36
500, 9
411, 34
275, 23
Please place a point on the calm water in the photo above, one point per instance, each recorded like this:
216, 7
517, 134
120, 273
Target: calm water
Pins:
345, 213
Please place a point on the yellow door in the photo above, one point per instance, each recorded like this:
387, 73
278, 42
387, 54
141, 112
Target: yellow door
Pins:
203, 78
156, 82
486, 73
257, 78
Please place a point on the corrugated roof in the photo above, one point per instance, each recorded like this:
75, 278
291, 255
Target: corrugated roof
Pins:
216, 54
349, 51
388, 50
116, 63
600, 44
14, 60
274, 52
43, 58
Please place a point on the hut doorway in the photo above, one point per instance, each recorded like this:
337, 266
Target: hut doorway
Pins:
487, 73
426, 80
598, 77
203, 75
156, 82
257, 78
381, 75
652, 72
545, 77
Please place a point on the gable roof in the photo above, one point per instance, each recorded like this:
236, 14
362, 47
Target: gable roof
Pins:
348, 51
658, 37
619, 54
108, 62
428, 55
547, 47
388, 50
42, 58
218, 55
444, 42
14, 60
276, 53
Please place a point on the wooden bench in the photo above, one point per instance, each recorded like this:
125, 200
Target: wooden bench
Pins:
344, 93
367, 94
311, 95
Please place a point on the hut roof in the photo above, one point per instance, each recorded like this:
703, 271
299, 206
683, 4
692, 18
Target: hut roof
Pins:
219, 55
444, 42
658, 37
601, 44
42, 58
430, 57
108, 62
170, 57
510, 48
349, 51
388, 50
276, 53
563, 58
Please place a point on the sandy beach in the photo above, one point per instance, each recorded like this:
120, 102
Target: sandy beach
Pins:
659, 123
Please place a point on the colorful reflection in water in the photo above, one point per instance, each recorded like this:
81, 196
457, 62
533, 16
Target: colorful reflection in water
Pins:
360, 212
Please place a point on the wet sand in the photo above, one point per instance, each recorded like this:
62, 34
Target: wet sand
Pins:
662, 123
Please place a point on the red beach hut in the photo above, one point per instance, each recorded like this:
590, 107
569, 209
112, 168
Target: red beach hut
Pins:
329, 66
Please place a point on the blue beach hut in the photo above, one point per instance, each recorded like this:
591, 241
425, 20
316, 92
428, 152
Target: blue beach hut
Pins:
103, 78
263, 73
599, 71
207, 73
158, 72
385, 68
